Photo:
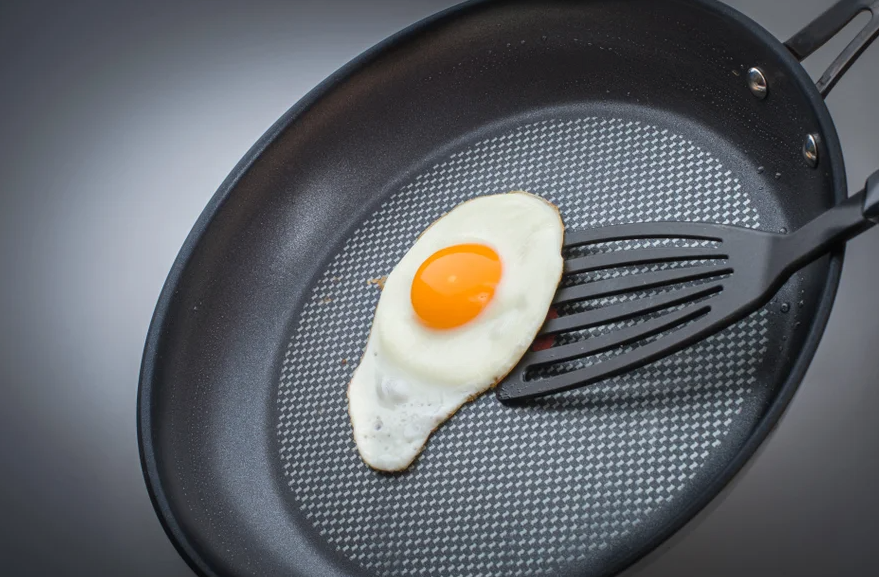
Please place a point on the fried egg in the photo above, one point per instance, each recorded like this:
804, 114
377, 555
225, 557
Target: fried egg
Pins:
454, 318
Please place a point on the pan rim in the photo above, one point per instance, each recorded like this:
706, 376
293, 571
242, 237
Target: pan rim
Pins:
161, 316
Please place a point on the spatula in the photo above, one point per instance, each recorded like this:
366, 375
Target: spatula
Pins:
737, 271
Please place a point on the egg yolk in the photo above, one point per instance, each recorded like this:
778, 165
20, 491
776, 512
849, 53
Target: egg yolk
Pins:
455, 284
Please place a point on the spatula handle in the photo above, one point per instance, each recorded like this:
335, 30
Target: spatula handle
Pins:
844, 221
871, 197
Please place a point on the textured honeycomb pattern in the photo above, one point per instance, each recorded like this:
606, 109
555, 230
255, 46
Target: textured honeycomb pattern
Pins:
539, 489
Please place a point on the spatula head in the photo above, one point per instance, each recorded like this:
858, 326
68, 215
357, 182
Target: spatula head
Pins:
632, 294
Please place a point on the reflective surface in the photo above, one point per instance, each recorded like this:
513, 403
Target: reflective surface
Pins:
757, 83
120, 119
810, 150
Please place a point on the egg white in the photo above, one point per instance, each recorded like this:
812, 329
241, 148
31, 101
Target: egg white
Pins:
413, 377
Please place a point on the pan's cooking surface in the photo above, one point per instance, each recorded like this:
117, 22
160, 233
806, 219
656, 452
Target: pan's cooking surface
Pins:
571, 481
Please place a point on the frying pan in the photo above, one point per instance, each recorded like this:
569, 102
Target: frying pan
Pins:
617, 111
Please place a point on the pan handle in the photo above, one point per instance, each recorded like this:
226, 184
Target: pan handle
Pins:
823, 28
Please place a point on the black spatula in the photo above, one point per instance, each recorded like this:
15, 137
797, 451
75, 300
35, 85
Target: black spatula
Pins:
736, 274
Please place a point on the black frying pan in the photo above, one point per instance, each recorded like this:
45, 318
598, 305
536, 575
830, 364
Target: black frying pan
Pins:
616, 111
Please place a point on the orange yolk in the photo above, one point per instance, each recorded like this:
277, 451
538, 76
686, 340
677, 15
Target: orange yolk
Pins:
453, 286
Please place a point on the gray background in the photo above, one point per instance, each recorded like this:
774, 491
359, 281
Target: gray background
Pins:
119, 119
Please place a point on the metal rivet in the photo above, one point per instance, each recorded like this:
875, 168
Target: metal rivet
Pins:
810, 150
757, 83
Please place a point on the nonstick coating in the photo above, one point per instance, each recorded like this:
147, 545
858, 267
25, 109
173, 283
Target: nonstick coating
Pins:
616, 111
